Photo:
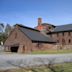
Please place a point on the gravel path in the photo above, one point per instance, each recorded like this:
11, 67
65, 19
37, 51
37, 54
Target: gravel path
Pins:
8, 61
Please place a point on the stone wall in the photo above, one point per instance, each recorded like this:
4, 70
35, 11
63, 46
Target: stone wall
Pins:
42, 46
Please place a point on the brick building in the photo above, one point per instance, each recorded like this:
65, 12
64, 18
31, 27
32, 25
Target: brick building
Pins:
62, 34
45, 36
25, 40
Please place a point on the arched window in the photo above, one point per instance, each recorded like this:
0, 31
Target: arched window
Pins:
69, 40
63, 41
63, 33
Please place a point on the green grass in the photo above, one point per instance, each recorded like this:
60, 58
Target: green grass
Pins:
66, 67
52, 52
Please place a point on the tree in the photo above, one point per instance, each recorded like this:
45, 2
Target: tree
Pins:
8, 29
2, 27
3, 37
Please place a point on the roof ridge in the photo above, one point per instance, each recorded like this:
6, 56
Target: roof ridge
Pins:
20, 25
35, 35
63, 28
64, 25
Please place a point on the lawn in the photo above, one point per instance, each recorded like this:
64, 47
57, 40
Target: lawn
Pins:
66, 67
52, 52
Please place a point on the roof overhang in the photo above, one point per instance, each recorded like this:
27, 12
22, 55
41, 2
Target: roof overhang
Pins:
44, 42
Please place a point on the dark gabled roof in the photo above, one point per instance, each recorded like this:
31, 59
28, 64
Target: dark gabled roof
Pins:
63, 28
20, 25
35, 35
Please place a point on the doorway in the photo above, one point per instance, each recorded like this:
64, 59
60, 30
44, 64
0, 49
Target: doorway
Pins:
14, 49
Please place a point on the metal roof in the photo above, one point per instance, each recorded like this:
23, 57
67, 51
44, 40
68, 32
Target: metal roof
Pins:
67, 27
35, 35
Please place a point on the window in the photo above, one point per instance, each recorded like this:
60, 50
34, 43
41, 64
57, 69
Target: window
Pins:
49, 27
58, 41
39, 45
69, 33
69, 40
63, 41
63, 33
23, 48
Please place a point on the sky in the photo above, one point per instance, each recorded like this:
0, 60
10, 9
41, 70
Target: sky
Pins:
26, 12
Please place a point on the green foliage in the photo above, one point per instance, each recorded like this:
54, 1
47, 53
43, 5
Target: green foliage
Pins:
4, 32
3, 37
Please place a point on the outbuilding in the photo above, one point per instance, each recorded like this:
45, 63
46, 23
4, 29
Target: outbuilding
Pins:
24, 39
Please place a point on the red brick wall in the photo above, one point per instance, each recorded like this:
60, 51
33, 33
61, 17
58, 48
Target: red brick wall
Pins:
43, 46
45, 27
60, 37
17, 37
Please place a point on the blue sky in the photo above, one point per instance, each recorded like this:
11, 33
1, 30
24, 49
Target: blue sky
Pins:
57, 12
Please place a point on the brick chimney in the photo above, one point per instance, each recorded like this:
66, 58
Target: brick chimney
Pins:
39, 21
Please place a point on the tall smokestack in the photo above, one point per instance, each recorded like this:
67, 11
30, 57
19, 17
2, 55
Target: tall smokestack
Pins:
39, 21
